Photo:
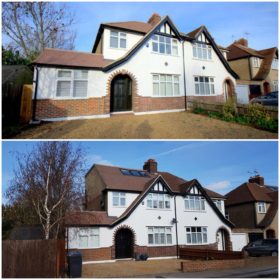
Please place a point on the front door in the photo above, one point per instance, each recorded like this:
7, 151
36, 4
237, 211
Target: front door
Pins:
124, 243
121, 97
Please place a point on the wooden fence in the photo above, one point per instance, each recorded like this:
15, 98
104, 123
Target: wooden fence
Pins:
218, 107
33, 258
26, 104
207, 254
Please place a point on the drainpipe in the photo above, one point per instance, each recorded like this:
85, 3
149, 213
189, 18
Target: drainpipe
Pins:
184, 73
176, 228
35, 96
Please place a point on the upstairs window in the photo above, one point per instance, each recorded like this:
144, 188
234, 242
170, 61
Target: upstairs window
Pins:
256, 62
117, 40
119, 199
274, 64
72, 83
202, 51
218, 204
165, 85
158, 201
196, 203
164, 45
204, 85
261, 207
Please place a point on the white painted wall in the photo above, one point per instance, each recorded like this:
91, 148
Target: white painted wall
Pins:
116, 211
114, 53
239, 240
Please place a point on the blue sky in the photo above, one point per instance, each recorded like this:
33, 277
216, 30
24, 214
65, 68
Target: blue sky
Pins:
225, 20
218, 165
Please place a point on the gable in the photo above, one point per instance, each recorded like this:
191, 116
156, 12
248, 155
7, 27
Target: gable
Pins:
166, 29
159, 188
202, 38
194, 190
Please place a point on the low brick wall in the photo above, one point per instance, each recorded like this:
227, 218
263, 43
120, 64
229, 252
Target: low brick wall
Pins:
98, 254
194, 266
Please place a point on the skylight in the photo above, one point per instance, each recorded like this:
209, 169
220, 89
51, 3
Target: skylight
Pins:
134, 173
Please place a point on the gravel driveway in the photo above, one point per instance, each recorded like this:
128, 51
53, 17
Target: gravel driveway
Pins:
183, 125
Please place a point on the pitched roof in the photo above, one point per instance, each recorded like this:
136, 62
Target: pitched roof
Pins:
88, 218
237, 51
248, 192
71, 58
273, 209
136, 26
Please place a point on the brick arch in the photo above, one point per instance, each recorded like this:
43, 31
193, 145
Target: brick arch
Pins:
109, 84
266, 87
113, 253
231, 89
228, 245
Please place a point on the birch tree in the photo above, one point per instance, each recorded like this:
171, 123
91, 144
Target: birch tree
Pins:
50, 179
34, 26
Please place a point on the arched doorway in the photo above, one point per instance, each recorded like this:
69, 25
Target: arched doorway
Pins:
270, 233
124, 243
223, 240
266, 87
121, 94
229, 90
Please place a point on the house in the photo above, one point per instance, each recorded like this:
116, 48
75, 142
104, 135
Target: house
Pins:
257, 69
131, 211
260, 203
134, 67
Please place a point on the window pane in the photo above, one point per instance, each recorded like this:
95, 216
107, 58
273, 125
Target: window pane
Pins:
194, 51
80, 74
189, 240
83, 241
196, 88
95, 241
199, 238
162, 238
150, 238
187, 206
122, 201
156, 238
123, 43
169, 89
168, 238
114, 33
115, 201
162, 48
113, 42
63, 88
155, 47
162, 89
194, 240
168, 49
80, 88
155, 89
64, 74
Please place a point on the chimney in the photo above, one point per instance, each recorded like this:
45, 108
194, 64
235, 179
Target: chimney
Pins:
154, 19
257, 179
150, 165
242, 42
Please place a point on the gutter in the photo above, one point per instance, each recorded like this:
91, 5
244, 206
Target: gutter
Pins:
176, 228
34, 120
184, 73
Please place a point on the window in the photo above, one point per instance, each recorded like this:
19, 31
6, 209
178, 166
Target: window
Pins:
274, 64
218, 204
159, 236
256, 62
158, 201
261, 207
196, 235
119, 199
196, 203
134, 173
89, 238
117, 40
275, 86
72, 83
204, 85
164, 45
202, 51
165, 85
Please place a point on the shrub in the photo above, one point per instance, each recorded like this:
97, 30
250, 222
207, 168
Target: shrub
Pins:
229, 110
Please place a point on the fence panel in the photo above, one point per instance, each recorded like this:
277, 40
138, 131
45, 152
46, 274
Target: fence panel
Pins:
26, 104
32, 258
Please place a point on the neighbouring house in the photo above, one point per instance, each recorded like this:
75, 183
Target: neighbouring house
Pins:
257, 70
253, 208
146, 211
136, 67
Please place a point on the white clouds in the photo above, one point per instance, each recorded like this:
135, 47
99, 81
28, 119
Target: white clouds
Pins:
218, 186
97, 159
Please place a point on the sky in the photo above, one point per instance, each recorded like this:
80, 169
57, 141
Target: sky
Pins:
226, 21
218, 165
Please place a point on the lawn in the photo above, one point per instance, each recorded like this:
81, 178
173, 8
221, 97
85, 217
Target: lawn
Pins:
183, 125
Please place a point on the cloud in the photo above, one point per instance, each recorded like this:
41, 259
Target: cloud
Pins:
97, 159
219, 185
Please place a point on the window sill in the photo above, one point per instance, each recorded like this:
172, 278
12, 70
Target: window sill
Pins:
165, 54
174, 96
197, 211
86, 248
70, 98
203, 60
197, 244
161, 209
159, 245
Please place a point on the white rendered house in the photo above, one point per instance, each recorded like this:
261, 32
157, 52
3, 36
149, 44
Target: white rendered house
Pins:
132, 211
134, 67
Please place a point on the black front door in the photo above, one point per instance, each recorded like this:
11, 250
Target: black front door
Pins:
124, 243
121, 97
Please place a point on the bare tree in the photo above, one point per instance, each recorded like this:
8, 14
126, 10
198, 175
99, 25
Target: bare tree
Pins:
50, 179
33, 26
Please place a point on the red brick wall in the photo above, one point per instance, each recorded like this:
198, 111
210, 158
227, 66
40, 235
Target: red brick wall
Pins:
145, 104
215, 98
213, 246
95, 254
53, 108
191, 266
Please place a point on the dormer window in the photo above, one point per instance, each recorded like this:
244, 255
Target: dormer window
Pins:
118, 40
256, 62
164, 45
202, 51
261, 207
119, 199
218, 204
194, 203
274, 64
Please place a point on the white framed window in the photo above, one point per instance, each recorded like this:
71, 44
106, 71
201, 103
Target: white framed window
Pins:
218, 204
72, 83
194, 203
159, 236
158, 201
204, 85
256, 62
261, 207
119, 199
196, 235
202, 51
164, 45
117, 40
274, 64
166, 85
89, 238
275, 85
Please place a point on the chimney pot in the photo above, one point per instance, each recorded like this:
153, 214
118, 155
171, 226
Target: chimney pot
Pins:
154, 19
242, 41
150, 165
257, 179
